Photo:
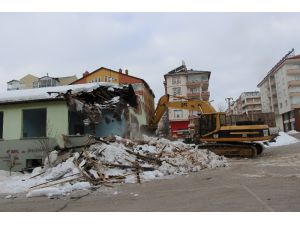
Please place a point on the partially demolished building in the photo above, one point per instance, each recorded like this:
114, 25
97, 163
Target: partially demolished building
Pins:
34, 121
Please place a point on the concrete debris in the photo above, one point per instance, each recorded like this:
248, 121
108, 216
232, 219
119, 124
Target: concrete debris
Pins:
103, 162
91, 103
118, 160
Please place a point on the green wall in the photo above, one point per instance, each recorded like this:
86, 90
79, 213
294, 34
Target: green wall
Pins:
57, 119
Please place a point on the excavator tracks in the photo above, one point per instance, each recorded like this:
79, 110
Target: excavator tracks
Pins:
242, 150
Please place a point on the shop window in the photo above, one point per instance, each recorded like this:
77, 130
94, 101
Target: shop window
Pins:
1, 125
34, 123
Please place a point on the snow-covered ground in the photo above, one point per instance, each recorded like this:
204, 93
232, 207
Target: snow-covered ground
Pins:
292, 132
282, 139
177, 158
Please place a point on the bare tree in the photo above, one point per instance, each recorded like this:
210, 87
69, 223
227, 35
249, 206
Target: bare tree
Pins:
221, 107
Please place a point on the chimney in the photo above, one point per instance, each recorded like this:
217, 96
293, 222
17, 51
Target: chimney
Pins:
126, 71
120, 70
85, 73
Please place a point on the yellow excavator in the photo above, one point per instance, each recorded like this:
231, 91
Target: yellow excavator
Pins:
214, 130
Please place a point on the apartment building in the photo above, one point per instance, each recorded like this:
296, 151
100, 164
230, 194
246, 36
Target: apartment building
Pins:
30, 81
191, 84
280, 92
246, 103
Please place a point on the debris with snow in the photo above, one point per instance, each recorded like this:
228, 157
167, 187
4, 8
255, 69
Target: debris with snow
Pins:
118, 161
282, 139
10, 196
292, 132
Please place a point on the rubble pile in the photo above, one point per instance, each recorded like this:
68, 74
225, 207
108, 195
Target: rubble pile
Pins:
104, 162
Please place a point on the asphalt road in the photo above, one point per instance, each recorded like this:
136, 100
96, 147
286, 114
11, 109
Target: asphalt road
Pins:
267, 183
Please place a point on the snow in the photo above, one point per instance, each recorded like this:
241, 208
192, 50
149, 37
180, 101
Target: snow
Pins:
177, 159
292, 132
20, 183
42, 93
282, 139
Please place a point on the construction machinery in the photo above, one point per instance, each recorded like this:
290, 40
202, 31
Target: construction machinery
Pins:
215, 131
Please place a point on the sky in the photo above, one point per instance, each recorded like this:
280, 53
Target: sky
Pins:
238, 48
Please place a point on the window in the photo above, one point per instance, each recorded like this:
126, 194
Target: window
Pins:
178, 114
222, 120
32, 163
175, 80
1, 125
108, 79
177, 91
76, 126
34, 123
194, 90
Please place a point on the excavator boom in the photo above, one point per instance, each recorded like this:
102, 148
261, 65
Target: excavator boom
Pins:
192, 105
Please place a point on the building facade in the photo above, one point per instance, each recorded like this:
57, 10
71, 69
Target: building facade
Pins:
140, 86
32, 122
29, 81
191, 84
246, 103
280, 92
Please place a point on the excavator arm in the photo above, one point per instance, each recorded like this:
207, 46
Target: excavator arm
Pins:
192, 105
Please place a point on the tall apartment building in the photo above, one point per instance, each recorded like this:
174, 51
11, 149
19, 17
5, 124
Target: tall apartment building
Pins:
191, 84
280, 92
246, 103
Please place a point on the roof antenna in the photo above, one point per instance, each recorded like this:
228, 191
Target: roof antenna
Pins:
183, 62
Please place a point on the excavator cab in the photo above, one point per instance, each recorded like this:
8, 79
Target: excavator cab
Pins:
207, 123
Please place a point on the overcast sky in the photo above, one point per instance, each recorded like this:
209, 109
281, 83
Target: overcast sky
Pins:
238, 48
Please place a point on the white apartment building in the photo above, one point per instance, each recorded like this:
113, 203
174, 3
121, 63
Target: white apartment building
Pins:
246, 103
191, 84
280, 92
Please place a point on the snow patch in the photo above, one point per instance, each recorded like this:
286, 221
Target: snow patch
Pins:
282, 139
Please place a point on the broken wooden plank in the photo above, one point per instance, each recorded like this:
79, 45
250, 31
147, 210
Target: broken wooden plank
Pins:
47, 184
129, 166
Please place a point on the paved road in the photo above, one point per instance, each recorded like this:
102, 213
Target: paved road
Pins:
268, 183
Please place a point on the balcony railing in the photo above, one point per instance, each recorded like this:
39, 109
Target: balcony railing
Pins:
294, 94
196, 94
293, 71
295, 106
294, 83
203, 84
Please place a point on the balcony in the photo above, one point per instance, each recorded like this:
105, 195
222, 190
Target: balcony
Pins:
293, 94
294, 83
295, 106
205, 95
203, 84
293, 71
191, 95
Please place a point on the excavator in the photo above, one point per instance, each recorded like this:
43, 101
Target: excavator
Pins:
214, 130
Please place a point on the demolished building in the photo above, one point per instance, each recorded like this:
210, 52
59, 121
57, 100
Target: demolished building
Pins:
34, 121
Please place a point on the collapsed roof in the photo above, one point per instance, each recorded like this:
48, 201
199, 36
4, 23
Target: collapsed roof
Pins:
53, 93
91, 103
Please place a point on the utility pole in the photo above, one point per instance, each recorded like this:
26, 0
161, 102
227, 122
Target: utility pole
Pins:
228, 100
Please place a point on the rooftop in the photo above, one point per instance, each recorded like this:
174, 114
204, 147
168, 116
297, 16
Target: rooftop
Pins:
48, 93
